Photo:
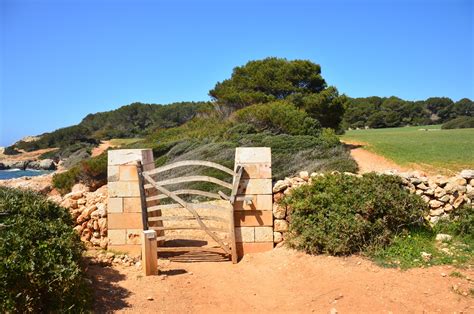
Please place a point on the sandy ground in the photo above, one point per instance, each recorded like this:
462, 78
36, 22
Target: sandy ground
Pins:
281, 281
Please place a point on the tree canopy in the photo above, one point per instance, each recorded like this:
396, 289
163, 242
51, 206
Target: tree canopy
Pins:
297, 81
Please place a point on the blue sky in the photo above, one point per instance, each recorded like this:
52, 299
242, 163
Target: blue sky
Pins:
61, 60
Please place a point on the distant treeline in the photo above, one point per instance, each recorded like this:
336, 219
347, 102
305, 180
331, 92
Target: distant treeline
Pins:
382, 112
134, 120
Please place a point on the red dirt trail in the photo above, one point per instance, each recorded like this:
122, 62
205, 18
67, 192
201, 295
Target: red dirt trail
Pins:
282, 280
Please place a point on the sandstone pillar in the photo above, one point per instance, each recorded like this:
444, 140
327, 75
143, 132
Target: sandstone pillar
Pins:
253, 208
125, 224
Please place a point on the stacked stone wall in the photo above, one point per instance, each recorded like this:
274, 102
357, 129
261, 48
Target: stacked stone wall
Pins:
443, 195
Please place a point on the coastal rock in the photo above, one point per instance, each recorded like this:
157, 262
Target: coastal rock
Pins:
17, 164
47, 164
2, 166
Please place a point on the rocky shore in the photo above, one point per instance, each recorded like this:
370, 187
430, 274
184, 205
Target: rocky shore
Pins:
45, 164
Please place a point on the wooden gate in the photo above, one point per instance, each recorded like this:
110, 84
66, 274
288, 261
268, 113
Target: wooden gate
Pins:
155, 191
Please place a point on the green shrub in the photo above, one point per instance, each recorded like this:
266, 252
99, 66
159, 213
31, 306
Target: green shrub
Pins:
459, 123
40, 256
343, 214
64, 181
92, 172
460, 223
11, 150
278, 117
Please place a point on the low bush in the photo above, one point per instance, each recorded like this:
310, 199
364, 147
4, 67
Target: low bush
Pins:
10, 150
40, 256
461, 223
459, 123
92, 172
342, 214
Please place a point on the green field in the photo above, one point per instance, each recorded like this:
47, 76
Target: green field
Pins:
426, 147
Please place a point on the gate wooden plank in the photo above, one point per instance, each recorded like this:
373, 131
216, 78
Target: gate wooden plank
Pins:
184, 218
189, 228
197, 206
190, 163
189, 192
189, 208
190, 179
190, 248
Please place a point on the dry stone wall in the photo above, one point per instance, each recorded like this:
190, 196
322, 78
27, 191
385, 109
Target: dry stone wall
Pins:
443, 194
89, 213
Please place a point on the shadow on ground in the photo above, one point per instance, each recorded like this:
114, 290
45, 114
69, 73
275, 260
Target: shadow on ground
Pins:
108, 295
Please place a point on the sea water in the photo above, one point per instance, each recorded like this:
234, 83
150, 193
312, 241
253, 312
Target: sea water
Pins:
17, 173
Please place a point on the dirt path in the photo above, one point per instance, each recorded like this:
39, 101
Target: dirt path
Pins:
103, 146
368, 161
281, 281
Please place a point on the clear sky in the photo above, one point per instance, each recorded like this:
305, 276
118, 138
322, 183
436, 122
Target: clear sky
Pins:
61, 60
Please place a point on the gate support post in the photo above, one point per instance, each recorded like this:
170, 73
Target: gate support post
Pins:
149, 253
253, 206
124, 211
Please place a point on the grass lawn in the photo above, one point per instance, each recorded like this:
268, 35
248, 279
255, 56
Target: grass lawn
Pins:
117, 142
429, 147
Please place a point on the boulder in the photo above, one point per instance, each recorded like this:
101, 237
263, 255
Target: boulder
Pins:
470, 191
440, 192
422, 186
429, 192
47, 164
104, 242
441, 181
450, 188
444, 198
279, 211
277, 237
280, 185
458, 181
277, 197
435, 203
426, 256
467, 174
17, 164
280, 225
436, 212
448, 207
443, 237
74, 195
69, 203
304, 175
79, 187
458, 201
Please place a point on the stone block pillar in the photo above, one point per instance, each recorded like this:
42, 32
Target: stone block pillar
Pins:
253, 208
125, 226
